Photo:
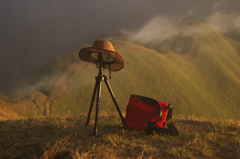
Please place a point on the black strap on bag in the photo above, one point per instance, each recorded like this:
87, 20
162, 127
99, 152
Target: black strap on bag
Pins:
169, 127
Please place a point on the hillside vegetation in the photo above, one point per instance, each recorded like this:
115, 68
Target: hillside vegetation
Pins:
67, 137
197, 71
6, 113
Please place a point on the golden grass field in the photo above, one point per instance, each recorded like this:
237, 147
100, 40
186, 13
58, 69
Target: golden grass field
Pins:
68, 137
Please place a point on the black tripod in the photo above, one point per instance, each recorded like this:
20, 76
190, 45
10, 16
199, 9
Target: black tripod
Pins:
97, 89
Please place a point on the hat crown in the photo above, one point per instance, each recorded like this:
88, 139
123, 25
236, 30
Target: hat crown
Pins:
103, 44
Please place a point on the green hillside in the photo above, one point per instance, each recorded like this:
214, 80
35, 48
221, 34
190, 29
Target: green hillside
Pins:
197, 72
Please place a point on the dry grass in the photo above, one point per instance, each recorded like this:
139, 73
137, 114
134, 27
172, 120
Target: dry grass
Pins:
6, 113
67, 137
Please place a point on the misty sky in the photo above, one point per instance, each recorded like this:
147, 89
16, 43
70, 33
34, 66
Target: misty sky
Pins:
34, 32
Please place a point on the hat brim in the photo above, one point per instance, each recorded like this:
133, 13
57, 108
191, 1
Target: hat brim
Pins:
117, 61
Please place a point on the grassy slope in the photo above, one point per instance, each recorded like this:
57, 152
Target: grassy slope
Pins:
204, 86
67, 137
198, 74
6, 113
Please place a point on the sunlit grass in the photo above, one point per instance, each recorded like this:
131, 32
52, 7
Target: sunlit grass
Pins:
6, 113
68, 137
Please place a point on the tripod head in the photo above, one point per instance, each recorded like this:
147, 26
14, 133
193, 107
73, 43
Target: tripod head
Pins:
101, 62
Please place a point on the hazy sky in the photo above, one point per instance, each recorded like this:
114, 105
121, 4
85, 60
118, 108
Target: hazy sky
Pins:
33, 32
116, 14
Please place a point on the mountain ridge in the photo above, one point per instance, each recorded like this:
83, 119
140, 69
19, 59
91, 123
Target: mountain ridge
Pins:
202, 83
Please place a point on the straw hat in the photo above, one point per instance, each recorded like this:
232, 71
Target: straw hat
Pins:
111, 59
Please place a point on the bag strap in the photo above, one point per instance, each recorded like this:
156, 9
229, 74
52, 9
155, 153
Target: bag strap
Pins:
170, 130
169, 121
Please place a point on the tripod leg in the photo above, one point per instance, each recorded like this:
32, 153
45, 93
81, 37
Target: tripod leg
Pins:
92, 101
97, 104
114, 100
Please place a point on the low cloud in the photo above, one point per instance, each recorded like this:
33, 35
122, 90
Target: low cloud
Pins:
162, 28
158, 28
224, 22
217, 6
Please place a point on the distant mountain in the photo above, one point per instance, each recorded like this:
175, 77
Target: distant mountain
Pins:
197, 71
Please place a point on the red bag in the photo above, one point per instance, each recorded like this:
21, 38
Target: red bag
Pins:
145, 113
